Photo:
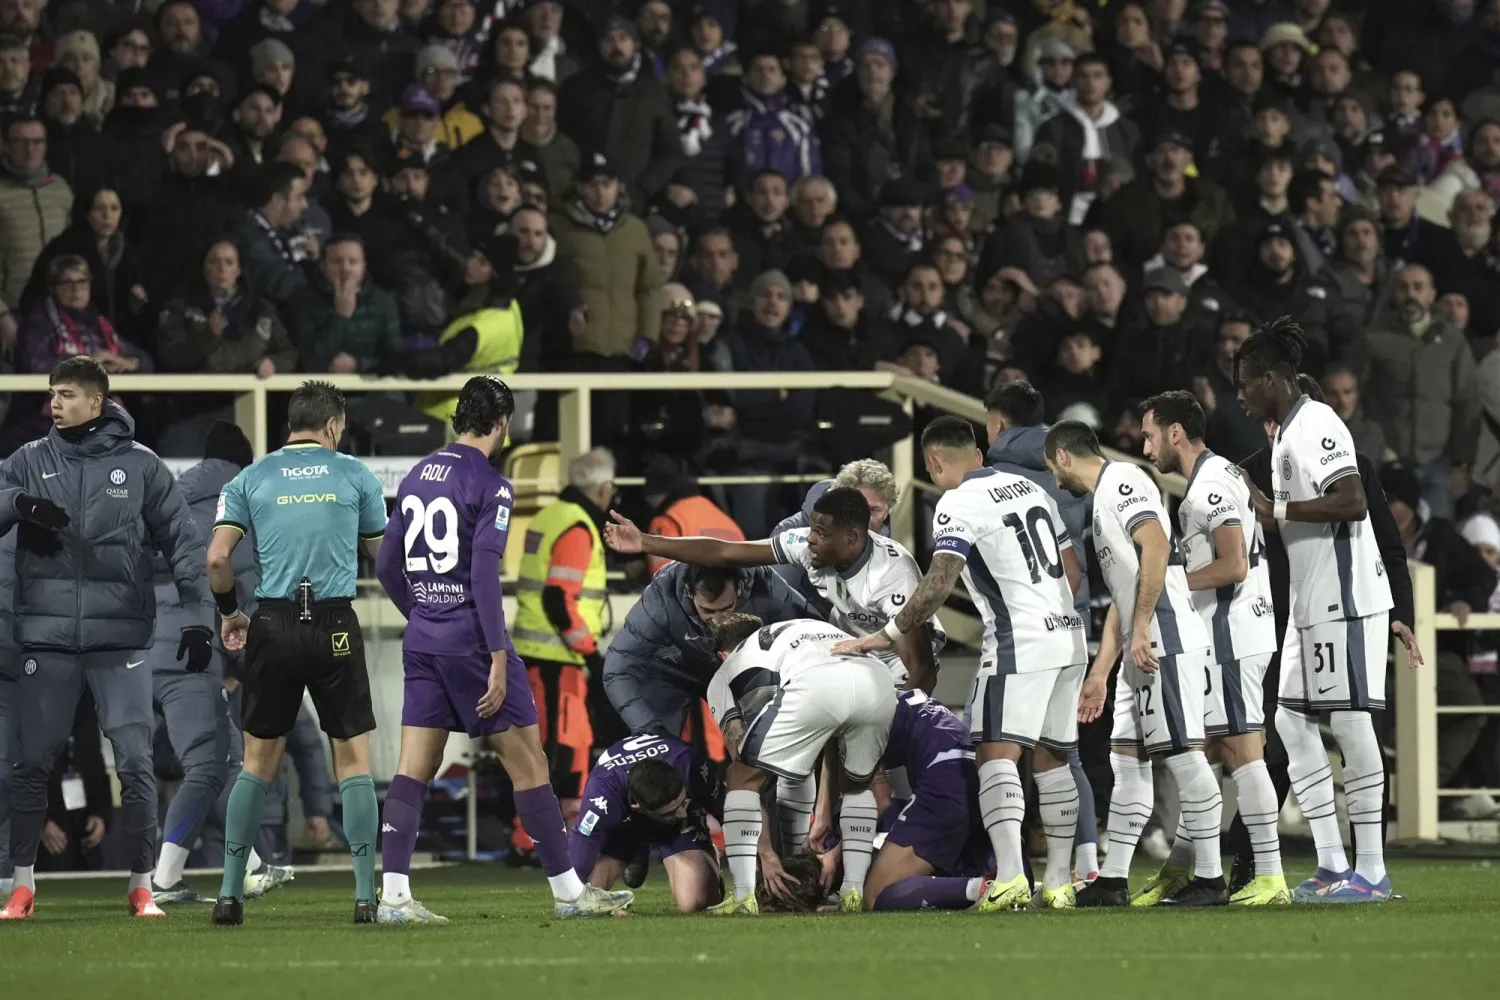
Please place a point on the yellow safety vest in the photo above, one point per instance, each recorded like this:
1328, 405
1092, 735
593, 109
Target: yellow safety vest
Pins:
497, 351
533, 633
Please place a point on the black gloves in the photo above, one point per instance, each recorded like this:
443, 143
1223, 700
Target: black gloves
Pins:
593, 663
197, 645
41, 512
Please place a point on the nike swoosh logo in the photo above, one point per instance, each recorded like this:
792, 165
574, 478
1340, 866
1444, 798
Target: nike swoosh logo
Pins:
132, 666
1325, 690
48, 475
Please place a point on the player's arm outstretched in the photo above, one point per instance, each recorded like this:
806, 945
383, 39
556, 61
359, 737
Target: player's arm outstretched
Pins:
1230, 565
625, 538
1155, 550
929, 596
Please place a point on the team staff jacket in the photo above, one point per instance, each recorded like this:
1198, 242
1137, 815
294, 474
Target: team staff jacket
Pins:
95, 593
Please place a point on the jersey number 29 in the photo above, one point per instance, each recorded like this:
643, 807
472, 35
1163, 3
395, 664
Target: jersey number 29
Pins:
437, 524
1032, 543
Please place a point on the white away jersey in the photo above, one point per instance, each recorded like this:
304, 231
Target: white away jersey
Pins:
747, 681
1011, 536
868, 594
1240, 618
1124, 497
1335, 569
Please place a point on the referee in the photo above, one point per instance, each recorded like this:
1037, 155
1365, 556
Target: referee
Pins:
308, 508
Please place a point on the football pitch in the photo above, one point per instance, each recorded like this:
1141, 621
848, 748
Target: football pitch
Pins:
1442, 940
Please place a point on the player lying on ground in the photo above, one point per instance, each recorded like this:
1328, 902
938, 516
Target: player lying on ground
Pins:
1004, 535
1231, 590
440, 564
651, 791
780, 697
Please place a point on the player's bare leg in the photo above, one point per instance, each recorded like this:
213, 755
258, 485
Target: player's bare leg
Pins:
900, 879
520, 750
421, 754
1243, 756
694, 878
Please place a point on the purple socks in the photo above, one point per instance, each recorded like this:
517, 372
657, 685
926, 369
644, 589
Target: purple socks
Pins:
542, 817
400, 821
925, 892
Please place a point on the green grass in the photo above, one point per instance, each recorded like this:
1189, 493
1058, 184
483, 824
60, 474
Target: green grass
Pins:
1441, 941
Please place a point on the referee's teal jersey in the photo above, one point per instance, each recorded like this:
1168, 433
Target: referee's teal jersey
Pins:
307, 508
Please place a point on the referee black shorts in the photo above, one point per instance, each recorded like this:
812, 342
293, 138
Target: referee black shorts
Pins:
326, 656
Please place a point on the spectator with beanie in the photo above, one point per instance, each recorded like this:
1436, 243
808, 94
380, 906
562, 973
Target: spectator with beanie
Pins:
349, 118
893, 240
78, 53
624, 113
871, 138
271, 262
35, 204
1159, 351
76, 151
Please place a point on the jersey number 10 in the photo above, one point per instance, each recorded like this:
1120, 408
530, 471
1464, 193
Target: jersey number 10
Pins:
437, 525
1033, 548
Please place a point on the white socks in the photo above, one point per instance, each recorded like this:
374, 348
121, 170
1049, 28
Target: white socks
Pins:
25, 878
1312, 783
1086, 859
1002, 806
857, 819
169, 866
1364, 789
139, 880
396, 889
565, 887
1202, 809
794, 808
1129, 811
253, 862
741, 836
1057, 801
1257, 803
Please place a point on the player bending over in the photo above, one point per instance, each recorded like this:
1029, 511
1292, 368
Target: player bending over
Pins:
1159, 690
1003, 533
651, 791
440, 564
1231, 590
780, 697
1333, 655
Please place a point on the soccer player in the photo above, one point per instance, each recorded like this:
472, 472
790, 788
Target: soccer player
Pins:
93, 507
1333, 657
440, 564
647, 791
780, 697
1159, 690
1231, 590
1003, 534
938, 836
308, 509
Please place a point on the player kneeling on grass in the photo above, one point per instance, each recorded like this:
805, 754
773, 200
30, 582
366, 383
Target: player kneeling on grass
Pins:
651, 791
780, 697
440, 564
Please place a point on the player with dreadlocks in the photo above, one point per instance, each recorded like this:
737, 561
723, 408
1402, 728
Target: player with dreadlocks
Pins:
1333, 657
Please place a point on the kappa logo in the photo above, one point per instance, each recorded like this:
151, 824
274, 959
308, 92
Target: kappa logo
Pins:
387, 828
503, 493
1214, 499
117, 476
30, 667
340, 643
601, 803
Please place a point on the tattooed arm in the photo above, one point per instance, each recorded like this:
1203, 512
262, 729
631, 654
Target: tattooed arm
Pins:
929, 596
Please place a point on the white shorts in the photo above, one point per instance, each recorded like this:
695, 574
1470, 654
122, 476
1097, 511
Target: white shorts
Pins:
1036, 707
1335, 665
1161, 711
1234, 697
852, 700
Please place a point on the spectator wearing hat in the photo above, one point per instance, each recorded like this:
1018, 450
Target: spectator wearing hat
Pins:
35, 204
1407, 237
610, 250
456, 28
765, 133
1183, 250
841, 332
340, 321
253, 122
1089, 133
78, 52
989, 174
557, 155
718, 53
418, 124
375, 37
1285, 49
624, 113
1037, 239
1161, 349
438, 69
273, 64
870, 137
763, 234
1323, 155
1052, 82
1422, 370
893, 240
1208, 33
305, 44
1278, 283
97, 237
699, 185
1135, 216
1358, 268
76, 151
350, 119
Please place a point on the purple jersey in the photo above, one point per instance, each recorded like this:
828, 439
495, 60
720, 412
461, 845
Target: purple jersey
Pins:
924, 733
440, 559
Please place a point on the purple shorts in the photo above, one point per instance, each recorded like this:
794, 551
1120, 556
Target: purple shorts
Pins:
443, 692
626, 840
941, 822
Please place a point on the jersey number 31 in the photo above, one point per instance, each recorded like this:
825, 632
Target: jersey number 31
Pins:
437, 525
